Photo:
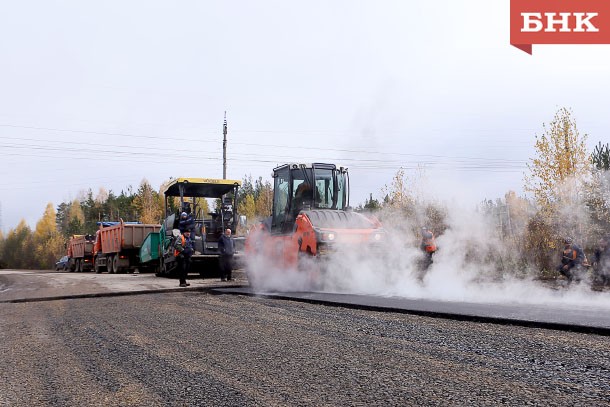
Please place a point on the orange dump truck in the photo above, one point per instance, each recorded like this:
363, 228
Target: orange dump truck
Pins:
117, 245
80, 252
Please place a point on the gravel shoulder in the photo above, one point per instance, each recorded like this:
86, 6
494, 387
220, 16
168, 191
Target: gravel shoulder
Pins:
195, 348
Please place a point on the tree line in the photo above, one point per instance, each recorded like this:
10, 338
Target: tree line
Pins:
24, 248
569, 187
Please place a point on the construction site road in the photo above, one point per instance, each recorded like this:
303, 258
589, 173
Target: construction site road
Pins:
200, 347
579, 319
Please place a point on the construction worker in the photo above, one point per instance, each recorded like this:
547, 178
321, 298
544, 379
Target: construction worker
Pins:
601, 261
303, 197
183, 250
428, 246
226, 247
186, 222
572, 260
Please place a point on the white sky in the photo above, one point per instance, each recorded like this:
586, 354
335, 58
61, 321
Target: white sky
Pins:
104, 94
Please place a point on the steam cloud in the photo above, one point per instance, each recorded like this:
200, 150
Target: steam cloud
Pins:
465, 267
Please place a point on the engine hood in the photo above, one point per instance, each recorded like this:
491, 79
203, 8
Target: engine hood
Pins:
334, 219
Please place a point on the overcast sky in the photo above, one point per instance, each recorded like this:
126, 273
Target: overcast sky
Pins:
107, 93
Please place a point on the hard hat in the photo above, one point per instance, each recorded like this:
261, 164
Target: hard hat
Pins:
567, 240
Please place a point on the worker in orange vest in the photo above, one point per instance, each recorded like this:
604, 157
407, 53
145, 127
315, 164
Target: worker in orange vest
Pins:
572, 260
428, 245
183, 250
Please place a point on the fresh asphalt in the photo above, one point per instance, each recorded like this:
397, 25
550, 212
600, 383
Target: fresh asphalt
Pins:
29, 286
585, 319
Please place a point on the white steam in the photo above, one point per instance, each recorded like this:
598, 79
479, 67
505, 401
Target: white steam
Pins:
465, 268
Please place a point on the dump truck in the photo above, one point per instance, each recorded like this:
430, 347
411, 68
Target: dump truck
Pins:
311, 219
80, 252
187, 195
117, 246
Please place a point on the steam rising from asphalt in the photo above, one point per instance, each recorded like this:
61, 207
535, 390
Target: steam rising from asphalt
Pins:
464, 269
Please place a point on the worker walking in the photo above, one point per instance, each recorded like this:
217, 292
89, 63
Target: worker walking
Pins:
572, 260
226, 248
183, 252
428, 246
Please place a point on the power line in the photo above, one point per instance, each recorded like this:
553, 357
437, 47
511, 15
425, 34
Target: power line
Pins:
172, 139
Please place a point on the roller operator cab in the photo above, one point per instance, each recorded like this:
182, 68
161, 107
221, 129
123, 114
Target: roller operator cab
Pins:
311, 220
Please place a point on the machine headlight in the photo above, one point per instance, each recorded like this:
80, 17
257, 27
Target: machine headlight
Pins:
328, 236
377, 237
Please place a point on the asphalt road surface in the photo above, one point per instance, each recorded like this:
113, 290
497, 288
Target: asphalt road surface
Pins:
194, 347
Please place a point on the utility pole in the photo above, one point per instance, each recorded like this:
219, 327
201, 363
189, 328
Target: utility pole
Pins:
224, 148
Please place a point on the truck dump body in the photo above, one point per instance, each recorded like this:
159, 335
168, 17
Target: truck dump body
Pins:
80, 251
124, 236
76, 246
117, 246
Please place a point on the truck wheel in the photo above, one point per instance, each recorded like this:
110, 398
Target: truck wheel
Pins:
109, 264
115, 264
96, 266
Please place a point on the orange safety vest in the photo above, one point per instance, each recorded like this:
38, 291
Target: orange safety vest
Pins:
176, 252
429, 245
569, 254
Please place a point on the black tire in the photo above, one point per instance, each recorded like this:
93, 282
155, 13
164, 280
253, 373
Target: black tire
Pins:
115, 264
109, 264
96, 266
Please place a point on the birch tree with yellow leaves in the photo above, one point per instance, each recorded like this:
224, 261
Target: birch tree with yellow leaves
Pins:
557, 179
48, 243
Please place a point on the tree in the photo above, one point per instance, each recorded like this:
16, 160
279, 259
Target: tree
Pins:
601, 157
17, 247
76, 219
2, 242
247, 207
558, 175
561, 159
147, 204
372, 204
263, 198
62, 217
48, 242
247, 188
397, 195
598, 191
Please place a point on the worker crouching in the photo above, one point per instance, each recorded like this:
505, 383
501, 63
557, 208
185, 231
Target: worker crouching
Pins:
573, 261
